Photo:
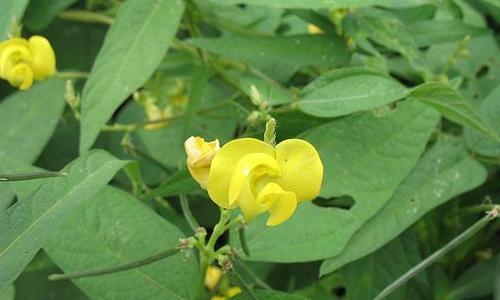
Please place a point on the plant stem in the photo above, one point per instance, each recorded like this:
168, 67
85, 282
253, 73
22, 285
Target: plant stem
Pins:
244, 285
72, 75
186, 211
85, 16
132, 265
31, 176
243, 241
471, 231
252, 274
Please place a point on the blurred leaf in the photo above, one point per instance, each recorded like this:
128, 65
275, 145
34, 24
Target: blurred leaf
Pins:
366, 277
27, 225
114, 228
452, 106
444, 172
10, 10
196, 93
431, 32
267, 53
345, 91
353, 150
271, 92
269, 295
490, 111
132, 50
477, 281
179, 183
331, 4
41, 12
9, 293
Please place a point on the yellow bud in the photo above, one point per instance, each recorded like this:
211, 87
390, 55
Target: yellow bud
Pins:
233, 291
212, 277
313, 29
44, 59
200, 155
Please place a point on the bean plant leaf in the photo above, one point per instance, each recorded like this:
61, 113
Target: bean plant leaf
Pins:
134, 46
270, 295
10, 11
345, 91
432, 32
267, 53
114, 228
478, 281
352, 150
444, 172
40, 13
311, 4
179, 183
452, 106
9, 293
27, 225
490, 112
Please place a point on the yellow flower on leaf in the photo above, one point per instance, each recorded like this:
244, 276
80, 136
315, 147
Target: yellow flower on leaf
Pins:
200, 155
256, 177
23, 61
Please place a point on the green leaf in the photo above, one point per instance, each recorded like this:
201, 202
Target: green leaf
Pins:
10, 10
270, 295
476, 282
196, 91
345, 91
489, 110
179, 183
28, 119
267, 53
355, 151
452, 106
9, 293
41, 12
367, 277
331, 4
432, 32
444, 172
271, 92
134, 46
114, 228
27, 225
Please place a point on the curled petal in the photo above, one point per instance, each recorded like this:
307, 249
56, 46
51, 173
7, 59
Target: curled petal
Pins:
302, 170
21, 76
12, 52
281, 203
44, 59
224, 163
200, 155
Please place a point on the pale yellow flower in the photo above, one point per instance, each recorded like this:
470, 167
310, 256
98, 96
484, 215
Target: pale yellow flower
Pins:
200, 155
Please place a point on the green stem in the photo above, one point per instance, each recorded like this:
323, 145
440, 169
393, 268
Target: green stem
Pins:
31, 176
252, 274
186, 211
243, 241
481, 208
132, 265
86, 16
244, 285
72, 75
471, 231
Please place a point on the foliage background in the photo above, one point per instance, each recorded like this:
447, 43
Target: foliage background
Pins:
401, 98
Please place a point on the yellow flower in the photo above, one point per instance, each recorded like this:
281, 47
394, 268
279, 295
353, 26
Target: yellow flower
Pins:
313, 29
22, 61
200, 155
231, 292
212, 277
257, 178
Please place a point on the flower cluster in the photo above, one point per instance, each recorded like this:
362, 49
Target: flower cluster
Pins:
255, 176
23, 61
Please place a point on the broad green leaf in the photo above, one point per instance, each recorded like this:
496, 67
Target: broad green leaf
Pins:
365, 157
114, 228
431, 32
271, 92
444, 172
134, 46
318, 3
476, 282
10, 10
41, 12
269, 295
179, 183
196, 93
490, 112
28, 119
267, 53
367, 277
27, 225
9, 293
345, 91
452, 106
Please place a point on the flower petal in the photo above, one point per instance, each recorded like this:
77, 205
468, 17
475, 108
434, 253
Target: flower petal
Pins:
224, 163
302, 170
44, 59
21, 76
282, 203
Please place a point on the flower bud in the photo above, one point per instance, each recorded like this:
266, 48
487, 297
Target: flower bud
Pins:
200, 155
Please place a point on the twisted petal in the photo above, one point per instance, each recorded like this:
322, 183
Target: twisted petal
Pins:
224, 164
302, 170
44, 59
281, 203
21, 76
12, 52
